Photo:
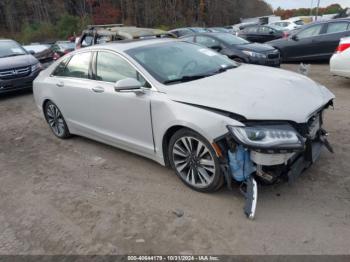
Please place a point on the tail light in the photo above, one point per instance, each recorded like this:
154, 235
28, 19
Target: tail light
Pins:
285, 34
342, 47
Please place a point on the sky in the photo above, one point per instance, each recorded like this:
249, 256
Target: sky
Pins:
290, 4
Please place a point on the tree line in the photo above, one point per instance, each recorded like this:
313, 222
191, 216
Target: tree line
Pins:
32, 20
287, 13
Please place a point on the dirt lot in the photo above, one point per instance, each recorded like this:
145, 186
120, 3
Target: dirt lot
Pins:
81, 197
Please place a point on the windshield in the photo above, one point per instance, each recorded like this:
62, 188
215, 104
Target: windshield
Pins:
230, 39
177, 62
36, 48
10, 48
67, 45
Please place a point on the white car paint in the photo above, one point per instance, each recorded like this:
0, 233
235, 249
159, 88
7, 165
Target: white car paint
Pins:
288, 24
137, 122
340, 61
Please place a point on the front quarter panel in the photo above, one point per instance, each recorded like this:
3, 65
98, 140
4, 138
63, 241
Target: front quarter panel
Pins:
167, 114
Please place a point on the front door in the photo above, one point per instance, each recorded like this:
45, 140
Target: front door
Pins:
124, 117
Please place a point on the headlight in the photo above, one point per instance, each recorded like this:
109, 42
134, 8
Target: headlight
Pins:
36, 67
254, 54
267, 137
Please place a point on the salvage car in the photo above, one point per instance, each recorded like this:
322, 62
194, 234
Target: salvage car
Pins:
262, 33
182, 105
340, 61
18, 67
237, 48
100, 34
313, 42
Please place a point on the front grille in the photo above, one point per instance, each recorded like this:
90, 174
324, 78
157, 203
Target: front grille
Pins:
15, 72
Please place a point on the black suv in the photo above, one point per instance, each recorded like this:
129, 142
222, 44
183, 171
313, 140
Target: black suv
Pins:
18, 68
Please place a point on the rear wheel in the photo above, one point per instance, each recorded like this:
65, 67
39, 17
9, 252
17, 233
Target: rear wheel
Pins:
56, 120
194, 161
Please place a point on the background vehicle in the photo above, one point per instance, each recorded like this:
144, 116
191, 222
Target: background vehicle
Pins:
262, 33
178, 32
18, 68
99, 34
237, 48
42, 52
60, 48
340, 61
218, 30
316, 41
289, 24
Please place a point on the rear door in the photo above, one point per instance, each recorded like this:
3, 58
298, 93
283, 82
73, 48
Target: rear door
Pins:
333, 32
72, 87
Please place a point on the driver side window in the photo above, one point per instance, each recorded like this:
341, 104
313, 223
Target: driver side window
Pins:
310, 32
112, 68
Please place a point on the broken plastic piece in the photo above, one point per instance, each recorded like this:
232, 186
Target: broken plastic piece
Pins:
251, 198
240, 163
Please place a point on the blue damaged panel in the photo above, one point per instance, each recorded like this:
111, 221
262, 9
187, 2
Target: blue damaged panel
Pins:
240, 164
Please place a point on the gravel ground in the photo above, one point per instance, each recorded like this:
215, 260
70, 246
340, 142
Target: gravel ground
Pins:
82, 197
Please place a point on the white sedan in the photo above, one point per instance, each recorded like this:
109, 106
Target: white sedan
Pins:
212, 120
340, 61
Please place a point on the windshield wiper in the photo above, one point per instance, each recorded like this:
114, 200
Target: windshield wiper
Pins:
196, 77
186, 78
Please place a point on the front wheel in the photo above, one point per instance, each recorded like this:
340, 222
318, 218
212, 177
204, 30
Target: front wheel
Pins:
194, 161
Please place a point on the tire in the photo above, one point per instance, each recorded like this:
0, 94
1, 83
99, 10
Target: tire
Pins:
238, 60
56, 120
194, 161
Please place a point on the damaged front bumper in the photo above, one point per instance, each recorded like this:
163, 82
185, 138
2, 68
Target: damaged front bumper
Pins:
246, 163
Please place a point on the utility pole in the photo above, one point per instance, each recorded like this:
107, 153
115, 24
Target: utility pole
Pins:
317, 8
312, 4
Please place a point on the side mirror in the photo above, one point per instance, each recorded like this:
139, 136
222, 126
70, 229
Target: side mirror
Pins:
127, 85
216, 48
295, 37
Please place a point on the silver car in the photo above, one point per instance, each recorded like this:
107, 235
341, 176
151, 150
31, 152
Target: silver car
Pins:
212, 120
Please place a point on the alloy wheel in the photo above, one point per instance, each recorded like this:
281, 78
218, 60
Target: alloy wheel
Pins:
194, 161
55, 120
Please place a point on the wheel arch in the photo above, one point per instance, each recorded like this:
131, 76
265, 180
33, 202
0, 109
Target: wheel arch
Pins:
169, 133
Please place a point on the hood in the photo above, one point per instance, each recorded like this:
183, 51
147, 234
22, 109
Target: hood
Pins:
256, 93
17, 61
255, 47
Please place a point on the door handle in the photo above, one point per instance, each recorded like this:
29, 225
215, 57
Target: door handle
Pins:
60, 84
98, 89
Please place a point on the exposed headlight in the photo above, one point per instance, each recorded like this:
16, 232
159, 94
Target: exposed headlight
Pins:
267, 137
254, 54
37, 66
